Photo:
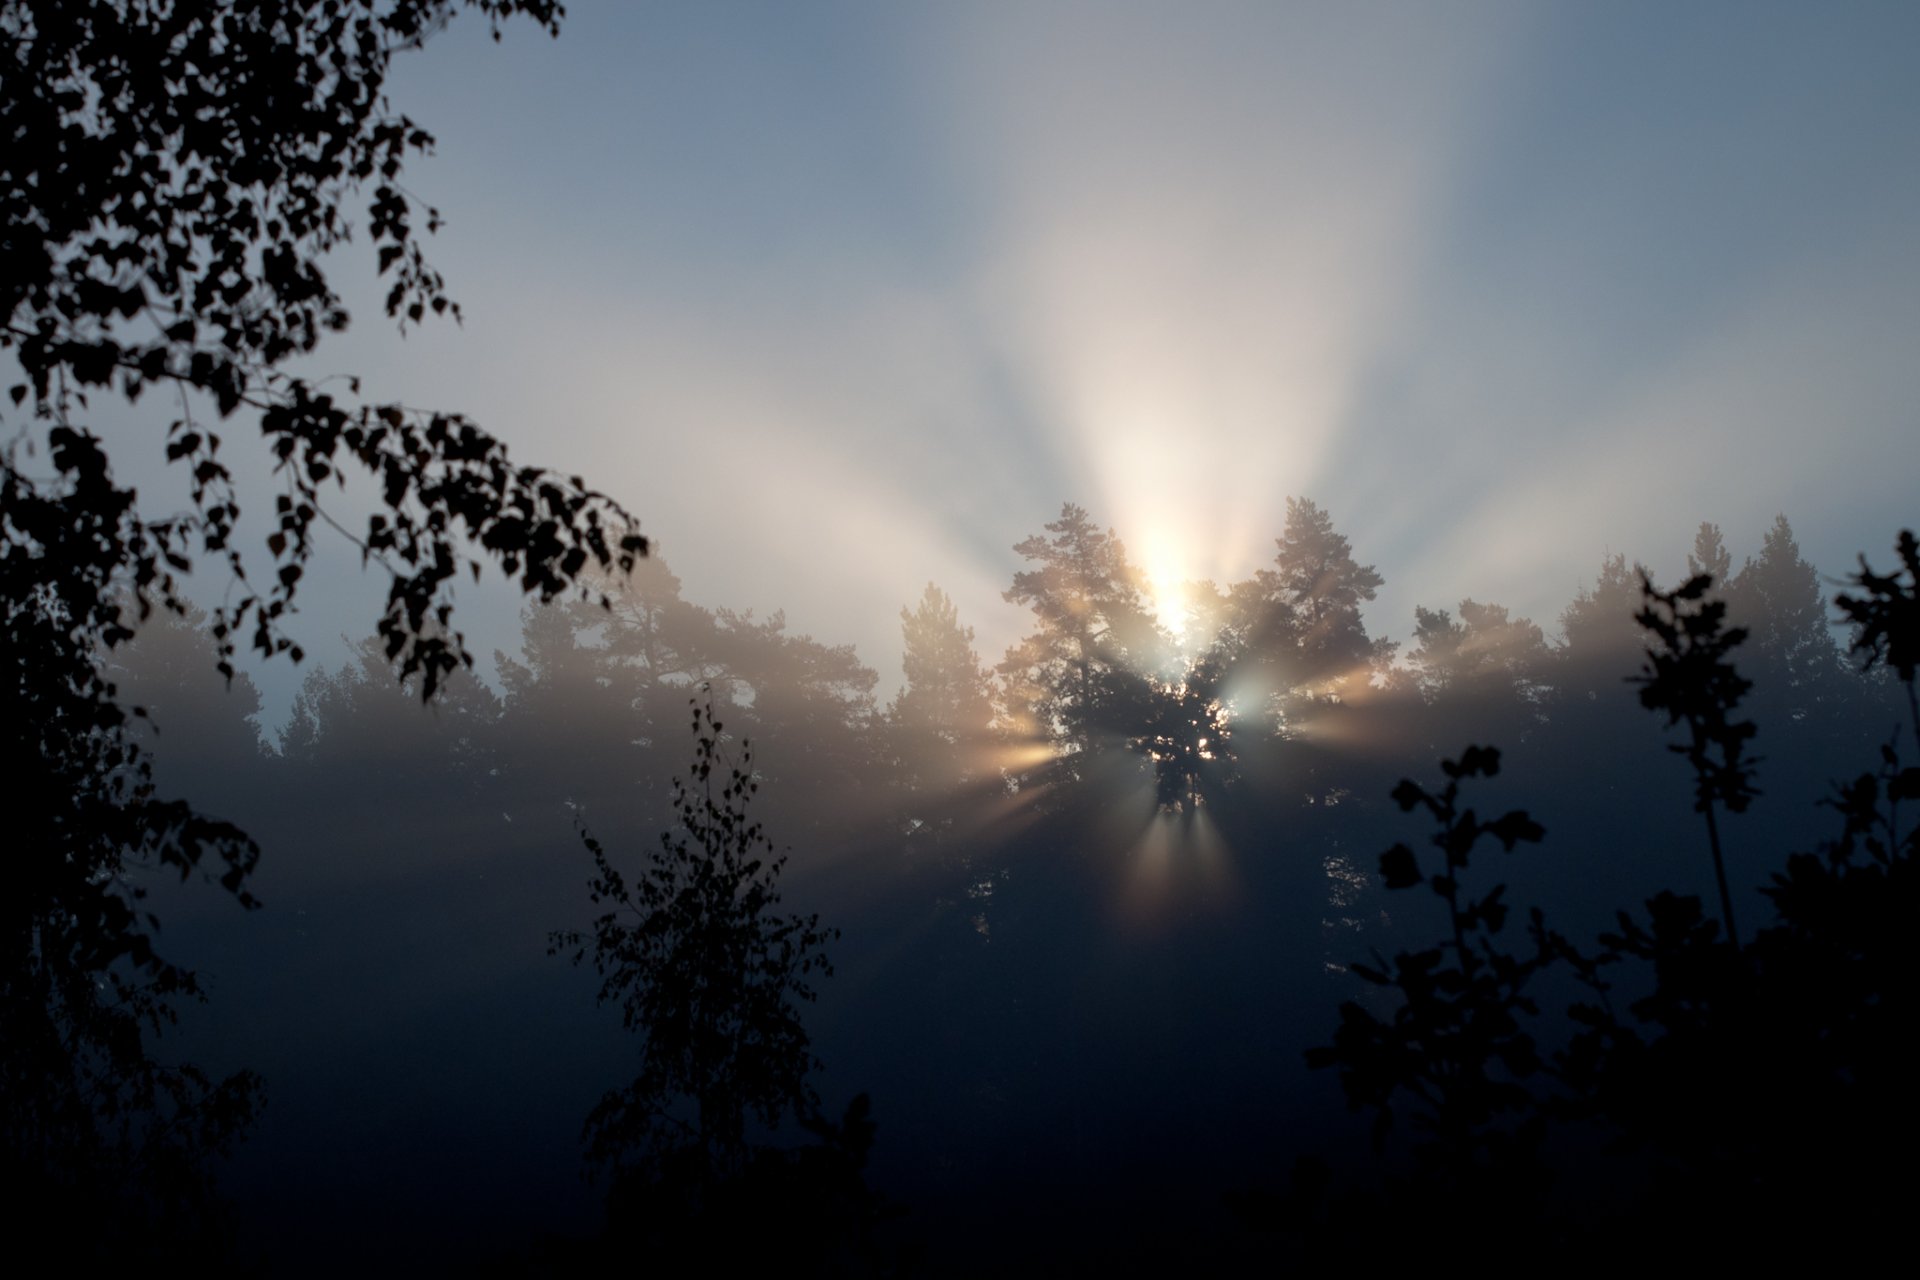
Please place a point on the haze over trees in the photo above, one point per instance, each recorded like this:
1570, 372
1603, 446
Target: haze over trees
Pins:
1023, 916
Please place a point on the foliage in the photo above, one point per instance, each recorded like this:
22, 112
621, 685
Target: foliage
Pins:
945, 706
1887, 617
1292, 645
1187, 732
1081, 678
1777, 595
1709, 555
1691, 677
1457, 1046
173, 182
1597, 629
93, 1128
712, 978
707, 973
939, 732
1485, 647
174, 178
1316, 573
1740, 1083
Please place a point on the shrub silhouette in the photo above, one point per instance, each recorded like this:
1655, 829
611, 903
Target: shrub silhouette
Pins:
1690, 677
1744, 1096
1456, 1045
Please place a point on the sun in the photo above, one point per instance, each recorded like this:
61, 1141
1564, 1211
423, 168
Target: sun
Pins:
1167, 596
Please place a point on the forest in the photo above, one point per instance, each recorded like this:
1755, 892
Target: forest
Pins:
1068, 930
1208, 926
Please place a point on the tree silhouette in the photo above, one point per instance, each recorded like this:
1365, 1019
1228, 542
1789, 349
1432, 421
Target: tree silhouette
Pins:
1082, 679
173, 179
1188, 734
1294, 642
940, 723
202, 728
1484, 672
708, 974
712, 977
1457, 1046
946, 704
1691, 677
1316, 573
1710, 555
1485, 645
1886, 618
1791, 654
103, 1144
1598, 633
1740, 1084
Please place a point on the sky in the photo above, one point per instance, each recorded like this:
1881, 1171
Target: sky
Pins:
845, 298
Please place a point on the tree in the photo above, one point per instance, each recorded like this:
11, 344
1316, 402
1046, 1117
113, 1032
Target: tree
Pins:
1188, 734
1484, 647
1085, 675
1795, 662
1886, 618
1691, 677
941, 716
1711, 1083
101, 1144
1316, 573
1457, 1049
1481, 674
593, 700
1599, 641
711, 977
202, 731
1295, 637
363, 718
172, 181
1709, 555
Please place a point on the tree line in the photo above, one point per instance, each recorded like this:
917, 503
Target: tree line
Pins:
1027, 849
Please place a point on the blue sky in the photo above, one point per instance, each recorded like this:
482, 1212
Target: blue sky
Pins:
843, 298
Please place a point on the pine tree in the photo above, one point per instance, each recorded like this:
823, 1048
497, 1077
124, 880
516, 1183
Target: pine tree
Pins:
941, 716
1710, 556
1084, 676
1600, 643
1792, 654
1319, 576
1296, 638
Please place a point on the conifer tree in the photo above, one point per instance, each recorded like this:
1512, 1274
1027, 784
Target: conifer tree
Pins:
1084, 676
941, 716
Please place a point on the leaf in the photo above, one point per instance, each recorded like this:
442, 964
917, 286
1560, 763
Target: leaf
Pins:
1400, 868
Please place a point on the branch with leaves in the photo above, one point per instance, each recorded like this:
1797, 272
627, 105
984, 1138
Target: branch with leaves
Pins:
1689, 675
1457, 1044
